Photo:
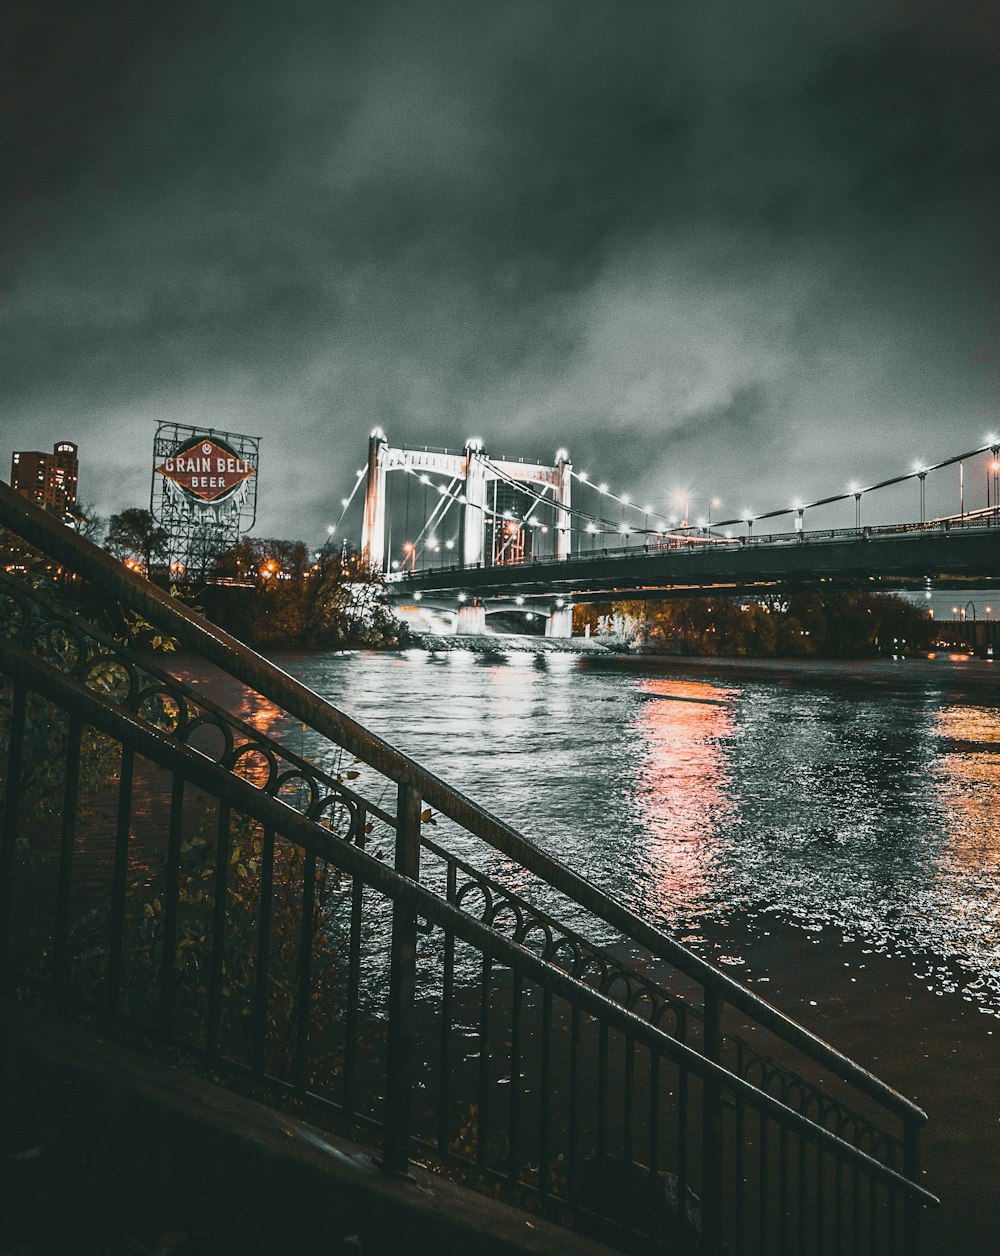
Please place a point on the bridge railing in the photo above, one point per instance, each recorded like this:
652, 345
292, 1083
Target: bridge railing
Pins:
242, 915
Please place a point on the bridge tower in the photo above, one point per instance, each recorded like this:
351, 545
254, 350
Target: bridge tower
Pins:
373, 524
474, 469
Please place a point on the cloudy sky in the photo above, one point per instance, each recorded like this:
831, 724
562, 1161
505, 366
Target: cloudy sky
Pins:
752, 250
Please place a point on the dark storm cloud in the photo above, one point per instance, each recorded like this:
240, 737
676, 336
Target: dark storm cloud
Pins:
694, 243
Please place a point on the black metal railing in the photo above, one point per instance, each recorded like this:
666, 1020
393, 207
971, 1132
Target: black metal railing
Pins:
177, 872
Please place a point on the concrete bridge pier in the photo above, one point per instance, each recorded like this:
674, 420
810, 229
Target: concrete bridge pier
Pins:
559, 623
471, 620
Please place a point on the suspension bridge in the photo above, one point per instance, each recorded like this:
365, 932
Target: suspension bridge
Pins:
469, 534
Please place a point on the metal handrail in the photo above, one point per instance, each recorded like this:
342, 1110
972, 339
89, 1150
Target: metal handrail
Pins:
134, 592
106, 716
569, 949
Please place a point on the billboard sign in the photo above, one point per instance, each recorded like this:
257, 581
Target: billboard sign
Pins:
206, 470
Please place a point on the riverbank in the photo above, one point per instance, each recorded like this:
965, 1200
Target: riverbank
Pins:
505, 643
954, 671
938, 1049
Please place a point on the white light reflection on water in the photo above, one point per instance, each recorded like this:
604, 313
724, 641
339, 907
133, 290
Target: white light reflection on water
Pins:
862, 798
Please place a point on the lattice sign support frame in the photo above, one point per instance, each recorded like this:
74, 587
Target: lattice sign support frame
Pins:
203, 492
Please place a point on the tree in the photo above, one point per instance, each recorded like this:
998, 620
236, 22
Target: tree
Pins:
86, 522
271, 592
134, 534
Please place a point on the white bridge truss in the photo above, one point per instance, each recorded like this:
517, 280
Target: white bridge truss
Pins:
470, 472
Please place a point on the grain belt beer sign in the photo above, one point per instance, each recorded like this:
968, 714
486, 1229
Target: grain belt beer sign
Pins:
206, 471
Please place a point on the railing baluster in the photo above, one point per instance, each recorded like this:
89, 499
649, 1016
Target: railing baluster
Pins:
402, 991
855, 1210
168, 970
223, 844
839, 1205
802, 1192
628, 1155
545, 1097
783, 1192
15, 758
911, 1170
514, 1115
711, 1185
483, 1113
116, 957
66, 842
738, 1190
654, 1118
682, 1140
763, 1196
262, 978
447, 999
303, 980
572, 1155
353, 978
892, 1208
602, 1094
822, 1230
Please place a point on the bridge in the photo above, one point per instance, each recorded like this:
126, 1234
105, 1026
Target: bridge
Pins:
522, 543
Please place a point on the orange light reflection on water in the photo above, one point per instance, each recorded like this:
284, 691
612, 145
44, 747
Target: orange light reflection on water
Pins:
683, 791
969, 782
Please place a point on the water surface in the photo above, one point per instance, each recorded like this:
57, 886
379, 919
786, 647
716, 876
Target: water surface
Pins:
862, 795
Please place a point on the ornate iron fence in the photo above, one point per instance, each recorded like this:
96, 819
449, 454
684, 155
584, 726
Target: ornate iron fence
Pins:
177, 872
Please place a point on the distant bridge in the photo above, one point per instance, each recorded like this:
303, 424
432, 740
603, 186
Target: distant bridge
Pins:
522, 543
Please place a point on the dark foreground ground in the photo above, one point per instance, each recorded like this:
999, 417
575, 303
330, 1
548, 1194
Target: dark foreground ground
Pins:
937, 1049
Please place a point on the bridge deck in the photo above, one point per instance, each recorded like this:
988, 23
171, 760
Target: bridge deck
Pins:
949, 556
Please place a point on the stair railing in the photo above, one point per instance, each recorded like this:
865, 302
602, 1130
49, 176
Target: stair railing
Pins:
561, 948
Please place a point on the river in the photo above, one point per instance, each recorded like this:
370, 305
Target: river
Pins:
861, 795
